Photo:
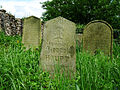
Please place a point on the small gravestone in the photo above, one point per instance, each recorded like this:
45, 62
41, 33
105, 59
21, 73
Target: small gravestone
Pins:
59, 49
31, 32
79, 39
98, 35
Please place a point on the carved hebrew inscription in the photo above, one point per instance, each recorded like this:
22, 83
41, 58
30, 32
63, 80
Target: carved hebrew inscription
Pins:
58, 45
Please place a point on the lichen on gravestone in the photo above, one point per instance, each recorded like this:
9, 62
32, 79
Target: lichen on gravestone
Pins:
59, 48
31, 32
98, 35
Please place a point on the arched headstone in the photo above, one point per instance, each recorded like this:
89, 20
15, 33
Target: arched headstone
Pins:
59, 46
98, 34
31, 32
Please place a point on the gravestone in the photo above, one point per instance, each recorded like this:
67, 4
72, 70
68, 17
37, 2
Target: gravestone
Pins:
59, 47
98, 35
31, 32
79, 39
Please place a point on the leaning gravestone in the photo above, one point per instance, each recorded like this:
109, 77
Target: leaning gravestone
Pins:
59, 46
31, 32
98, 34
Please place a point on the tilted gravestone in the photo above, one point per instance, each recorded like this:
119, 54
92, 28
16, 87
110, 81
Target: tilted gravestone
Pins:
59, 47
98, 35
31, 32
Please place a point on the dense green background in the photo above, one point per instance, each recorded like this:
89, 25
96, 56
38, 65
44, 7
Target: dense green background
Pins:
84, 11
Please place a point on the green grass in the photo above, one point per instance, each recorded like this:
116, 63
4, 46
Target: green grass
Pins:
19, 69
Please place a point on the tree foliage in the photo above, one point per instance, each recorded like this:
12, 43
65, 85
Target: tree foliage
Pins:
84, 11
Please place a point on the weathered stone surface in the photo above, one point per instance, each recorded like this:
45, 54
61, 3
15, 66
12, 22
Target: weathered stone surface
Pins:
31, 32
19, 28
59, 46
98, 34
9, 24
79, 39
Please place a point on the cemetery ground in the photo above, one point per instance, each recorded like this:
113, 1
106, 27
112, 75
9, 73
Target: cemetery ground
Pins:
19, 69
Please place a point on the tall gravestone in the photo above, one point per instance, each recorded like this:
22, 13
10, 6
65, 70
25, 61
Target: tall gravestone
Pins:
31, 32
98, 35
59, 47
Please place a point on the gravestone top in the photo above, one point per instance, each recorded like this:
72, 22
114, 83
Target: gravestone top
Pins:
60, 19
100, 21
98, 34
32, 17
59, 46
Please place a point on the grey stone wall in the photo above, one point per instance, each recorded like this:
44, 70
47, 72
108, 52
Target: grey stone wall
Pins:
9, 24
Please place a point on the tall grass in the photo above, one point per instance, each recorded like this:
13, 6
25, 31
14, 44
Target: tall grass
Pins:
19, 69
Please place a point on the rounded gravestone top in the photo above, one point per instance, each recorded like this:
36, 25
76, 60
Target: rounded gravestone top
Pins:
99, 21
98, 34
32, 17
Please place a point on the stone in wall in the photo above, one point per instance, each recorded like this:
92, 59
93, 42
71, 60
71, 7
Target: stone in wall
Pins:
9, 24
2, 12
19, 27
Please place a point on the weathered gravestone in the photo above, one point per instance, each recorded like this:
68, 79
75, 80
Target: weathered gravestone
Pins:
98, 35
31, 32
59, 47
